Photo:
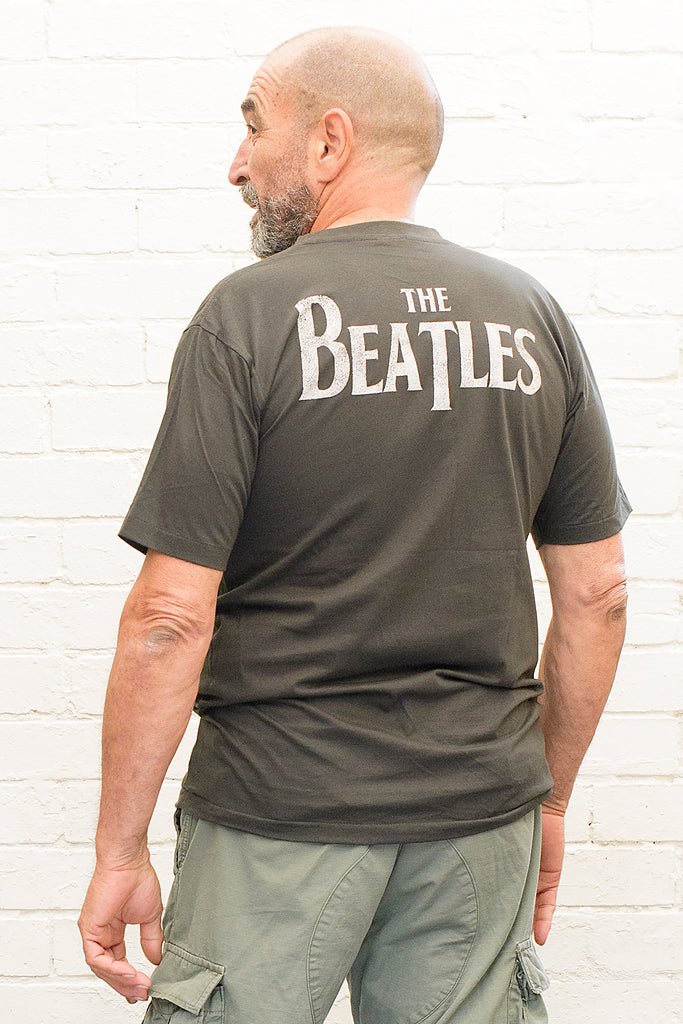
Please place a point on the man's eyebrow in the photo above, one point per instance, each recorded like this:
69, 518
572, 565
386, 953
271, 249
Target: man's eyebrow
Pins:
248, 106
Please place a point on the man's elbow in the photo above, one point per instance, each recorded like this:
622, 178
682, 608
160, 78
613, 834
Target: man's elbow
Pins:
165, 627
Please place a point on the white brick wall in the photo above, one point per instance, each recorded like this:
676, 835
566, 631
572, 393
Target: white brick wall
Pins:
563, 154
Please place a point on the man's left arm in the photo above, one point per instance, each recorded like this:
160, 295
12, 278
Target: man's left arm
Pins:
165, 631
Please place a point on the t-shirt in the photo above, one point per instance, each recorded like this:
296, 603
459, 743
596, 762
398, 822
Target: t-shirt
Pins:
362, 431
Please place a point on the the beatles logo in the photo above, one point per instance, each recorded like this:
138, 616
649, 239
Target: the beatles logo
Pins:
510, 366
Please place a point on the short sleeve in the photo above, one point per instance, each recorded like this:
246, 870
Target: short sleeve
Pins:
195, 487
584, 500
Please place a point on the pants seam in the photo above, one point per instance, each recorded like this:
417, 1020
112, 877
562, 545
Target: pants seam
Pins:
355, 864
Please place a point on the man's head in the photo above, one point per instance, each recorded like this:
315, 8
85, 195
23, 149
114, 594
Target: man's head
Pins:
339, 121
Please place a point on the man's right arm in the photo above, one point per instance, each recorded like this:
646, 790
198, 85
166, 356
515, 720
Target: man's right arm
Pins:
579, 661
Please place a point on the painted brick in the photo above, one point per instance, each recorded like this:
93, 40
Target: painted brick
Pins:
31, 812
628, 152
33, 683
627, 1001
615, 943
632, 349
67, 93
652, 610
30, 551
87, 675
103, 353
59, 1003
645, 283
70, 224
162, 339
135, 157
25, 949
93, 553
193, 91
594, 217
68, 949
102, 420
65, 485
648, 680
27, 292
132, 290
24, 423
34, 749
468, 86
569, 86
628, 26
219, 222
284, 20
645, 416
568, 278
23, 159
618, 876
643, 745
579, 814
466, 215
482, 152
656, 550
23, 31
124, 28
56, 615
637, 813
43, 878
652, 482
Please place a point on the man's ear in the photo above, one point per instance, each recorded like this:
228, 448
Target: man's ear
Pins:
331, 144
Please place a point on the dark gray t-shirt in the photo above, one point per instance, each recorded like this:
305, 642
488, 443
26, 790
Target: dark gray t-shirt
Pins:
362, 432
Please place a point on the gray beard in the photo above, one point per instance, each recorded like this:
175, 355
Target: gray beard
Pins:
280, 220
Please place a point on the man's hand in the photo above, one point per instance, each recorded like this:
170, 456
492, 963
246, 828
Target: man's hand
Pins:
117, 897
552, 852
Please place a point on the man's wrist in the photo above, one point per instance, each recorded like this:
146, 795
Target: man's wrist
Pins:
120, 855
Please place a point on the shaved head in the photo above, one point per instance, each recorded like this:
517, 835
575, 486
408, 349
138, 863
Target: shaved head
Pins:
379, 81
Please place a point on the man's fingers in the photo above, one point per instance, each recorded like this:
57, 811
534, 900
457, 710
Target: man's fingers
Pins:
151, 940
118, 973
542, 921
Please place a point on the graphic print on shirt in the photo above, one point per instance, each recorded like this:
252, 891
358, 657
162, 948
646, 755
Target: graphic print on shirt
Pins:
509, 367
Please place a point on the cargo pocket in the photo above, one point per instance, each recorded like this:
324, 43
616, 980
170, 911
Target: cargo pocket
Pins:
525, 1001
185, 990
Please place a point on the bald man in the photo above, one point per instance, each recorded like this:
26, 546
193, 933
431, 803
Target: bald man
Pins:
362, 430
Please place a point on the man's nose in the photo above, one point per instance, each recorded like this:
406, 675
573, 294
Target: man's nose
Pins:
239, 174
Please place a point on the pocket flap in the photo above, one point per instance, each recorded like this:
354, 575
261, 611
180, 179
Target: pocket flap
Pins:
184, 979
529, 961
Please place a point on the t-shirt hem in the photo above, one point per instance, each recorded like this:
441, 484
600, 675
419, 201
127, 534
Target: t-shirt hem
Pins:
146, 536
583, 533
352, 833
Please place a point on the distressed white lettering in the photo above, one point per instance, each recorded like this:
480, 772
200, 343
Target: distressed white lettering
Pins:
426, 299
359, 361
521, 334
442, 391
406, 366
467, 378
497, 353
409, 294
311, 343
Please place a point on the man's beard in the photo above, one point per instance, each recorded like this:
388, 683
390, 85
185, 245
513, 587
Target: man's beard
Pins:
280, 220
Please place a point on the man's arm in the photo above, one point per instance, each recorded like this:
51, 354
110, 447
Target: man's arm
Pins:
166, 627
579, 661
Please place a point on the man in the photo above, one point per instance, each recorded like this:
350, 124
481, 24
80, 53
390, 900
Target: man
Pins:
361, 432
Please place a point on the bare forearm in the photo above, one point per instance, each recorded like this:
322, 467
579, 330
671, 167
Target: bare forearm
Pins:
165, 632
578, 665
148, 705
